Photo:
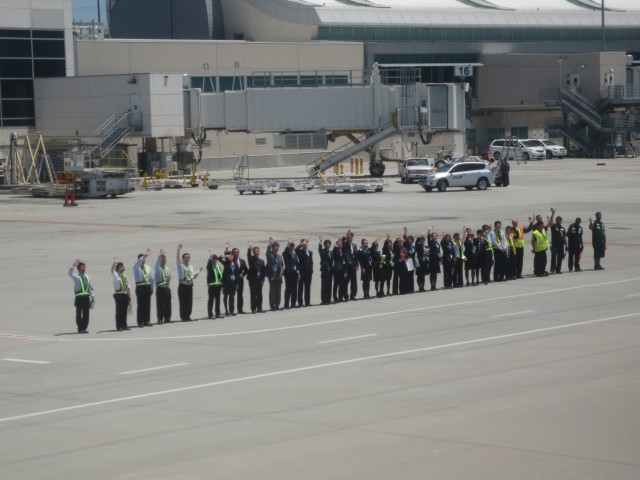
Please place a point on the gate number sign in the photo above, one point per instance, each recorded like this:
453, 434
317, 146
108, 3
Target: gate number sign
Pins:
463, 71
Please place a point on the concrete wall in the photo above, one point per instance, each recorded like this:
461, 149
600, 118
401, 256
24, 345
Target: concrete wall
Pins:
77, 106
111, 57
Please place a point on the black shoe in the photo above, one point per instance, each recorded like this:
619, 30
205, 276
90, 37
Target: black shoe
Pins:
240, 311
578, 269
167, 321
85, 331
260, 310
119, 329
126, 328
186, 319
233, 314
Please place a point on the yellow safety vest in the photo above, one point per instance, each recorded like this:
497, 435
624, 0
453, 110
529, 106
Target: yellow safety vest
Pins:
519, 243
541, 241
217, 275
511, 244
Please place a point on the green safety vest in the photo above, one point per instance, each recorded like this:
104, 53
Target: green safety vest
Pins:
217, 275
461, 248
124, 284
165, 273
188, 273
84, 287
146, 275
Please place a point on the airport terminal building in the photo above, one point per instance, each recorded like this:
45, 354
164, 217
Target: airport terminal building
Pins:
561, 69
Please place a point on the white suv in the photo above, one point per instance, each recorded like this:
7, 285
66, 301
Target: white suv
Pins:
551, 148
459, 174
516, 149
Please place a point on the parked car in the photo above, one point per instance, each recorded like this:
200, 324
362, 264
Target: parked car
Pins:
516, 149
459, 174
412, 168
552, 149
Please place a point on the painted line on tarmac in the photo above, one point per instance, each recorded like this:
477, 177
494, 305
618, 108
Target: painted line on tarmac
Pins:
349, 338
350, 319
30, 337
176, 227
512, 314
153, 368
317, 367
634, 295
24, 361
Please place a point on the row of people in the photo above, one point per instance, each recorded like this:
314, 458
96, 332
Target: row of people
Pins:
392, 266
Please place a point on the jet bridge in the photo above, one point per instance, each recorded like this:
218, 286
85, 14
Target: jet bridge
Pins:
374, 108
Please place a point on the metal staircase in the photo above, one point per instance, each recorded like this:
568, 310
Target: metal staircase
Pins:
590, 126
337, 156
106, 137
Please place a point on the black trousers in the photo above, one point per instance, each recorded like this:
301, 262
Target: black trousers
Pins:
213, 299
395, 283
500, 267
83, 306
574, 259
457, 273
539, 262
557, 255
325, 287
353, 282
365, 276
122, 305
304, 288
447, 272
255, 290
275, 293
185, 299
163, 304
239, 295
519, 261
143, 299
228, 297
290, 289
340, 287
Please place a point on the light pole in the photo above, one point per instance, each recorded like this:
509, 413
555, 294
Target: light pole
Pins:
603, 30
560, 60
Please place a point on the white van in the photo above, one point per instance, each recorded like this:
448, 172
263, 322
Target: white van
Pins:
516, 149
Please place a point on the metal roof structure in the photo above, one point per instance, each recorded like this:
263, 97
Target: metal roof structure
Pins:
466, 13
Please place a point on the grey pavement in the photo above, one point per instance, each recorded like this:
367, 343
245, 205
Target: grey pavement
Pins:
529, 379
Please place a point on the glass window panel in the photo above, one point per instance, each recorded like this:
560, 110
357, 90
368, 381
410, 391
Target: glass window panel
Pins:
15, 48
467, 34
10, 33
456, 34
358, 33
446, 34
18, 122
16, 89
414, 33
380, 33
436, 34
48, 48
323, 33
17, 109
48, 34
49, 68
16, 68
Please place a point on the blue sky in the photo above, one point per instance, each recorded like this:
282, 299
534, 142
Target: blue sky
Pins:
87, 10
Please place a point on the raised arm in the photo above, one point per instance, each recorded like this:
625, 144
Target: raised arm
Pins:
113, 265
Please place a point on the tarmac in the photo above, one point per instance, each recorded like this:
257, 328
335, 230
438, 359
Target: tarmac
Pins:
529, 379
